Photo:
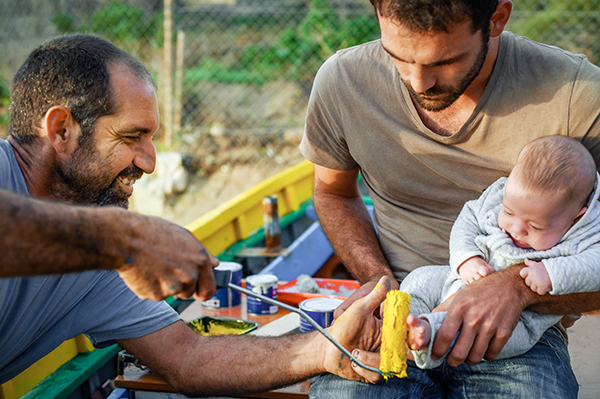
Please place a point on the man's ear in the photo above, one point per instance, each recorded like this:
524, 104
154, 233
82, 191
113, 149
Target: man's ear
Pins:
60, 128
500, 17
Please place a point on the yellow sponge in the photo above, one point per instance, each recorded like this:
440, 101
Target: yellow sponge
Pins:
394, 333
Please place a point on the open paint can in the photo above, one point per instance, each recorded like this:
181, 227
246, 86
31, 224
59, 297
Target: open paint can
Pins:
320, 310
226, 297
262, 284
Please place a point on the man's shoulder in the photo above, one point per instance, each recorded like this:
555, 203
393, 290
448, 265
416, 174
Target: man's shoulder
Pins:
355, 55
543, 55
368, 48
11, 177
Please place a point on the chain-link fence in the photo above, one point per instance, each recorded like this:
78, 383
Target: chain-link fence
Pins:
235, 75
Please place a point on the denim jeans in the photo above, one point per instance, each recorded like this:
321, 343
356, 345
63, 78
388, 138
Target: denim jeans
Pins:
543, 372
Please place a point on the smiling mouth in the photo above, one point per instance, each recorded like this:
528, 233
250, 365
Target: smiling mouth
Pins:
127, 181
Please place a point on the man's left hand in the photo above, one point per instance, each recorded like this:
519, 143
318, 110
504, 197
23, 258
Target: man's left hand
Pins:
485, 313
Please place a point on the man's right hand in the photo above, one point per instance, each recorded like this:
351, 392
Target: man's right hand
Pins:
359, 332
164, 259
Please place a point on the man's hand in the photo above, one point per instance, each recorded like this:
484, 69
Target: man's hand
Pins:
485, 314
363, 291
359, 332
536, 277
165, 259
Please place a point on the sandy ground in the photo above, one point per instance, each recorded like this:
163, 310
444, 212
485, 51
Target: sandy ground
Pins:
204, 193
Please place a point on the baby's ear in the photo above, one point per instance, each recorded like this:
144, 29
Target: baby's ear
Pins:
580, 214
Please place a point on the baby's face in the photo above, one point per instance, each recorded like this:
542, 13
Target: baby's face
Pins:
535, 220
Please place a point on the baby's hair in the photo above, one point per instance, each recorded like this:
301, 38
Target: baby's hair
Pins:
557, 164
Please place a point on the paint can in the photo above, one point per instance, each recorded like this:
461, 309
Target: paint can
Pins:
226, 297
263, 284
320, 310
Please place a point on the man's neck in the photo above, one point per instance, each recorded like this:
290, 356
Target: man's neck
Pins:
33, 160
450, 120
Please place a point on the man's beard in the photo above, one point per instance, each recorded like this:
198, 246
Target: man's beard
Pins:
449, 94
81, 179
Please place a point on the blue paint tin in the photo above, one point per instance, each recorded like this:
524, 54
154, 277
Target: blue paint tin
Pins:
263, 284
226, 297
320, 310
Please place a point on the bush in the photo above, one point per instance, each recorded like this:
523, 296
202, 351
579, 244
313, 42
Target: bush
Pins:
4, 101
296, 54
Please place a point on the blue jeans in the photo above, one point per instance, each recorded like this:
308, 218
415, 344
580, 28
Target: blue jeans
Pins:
543, 372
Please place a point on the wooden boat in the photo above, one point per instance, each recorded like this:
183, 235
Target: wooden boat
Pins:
232, 230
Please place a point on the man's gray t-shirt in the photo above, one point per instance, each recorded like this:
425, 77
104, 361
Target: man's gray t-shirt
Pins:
38, 313
360, 115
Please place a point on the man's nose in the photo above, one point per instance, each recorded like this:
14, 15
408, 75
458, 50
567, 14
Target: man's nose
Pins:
421, 78
145, 155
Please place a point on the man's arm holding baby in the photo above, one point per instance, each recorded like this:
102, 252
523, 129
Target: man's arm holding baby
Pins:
487, 311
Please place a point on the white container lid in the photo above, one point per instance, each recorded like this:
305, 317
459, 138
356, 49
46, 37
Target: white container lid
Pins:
320, 304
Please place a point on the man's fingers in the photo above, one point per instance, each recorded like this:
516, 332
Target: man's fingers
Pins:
206, 286
374, 299
444, 338
367, 289
496, 345
369, 359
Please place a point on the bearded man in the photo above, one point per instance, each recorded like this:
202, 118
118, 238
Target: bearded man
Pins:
82, 117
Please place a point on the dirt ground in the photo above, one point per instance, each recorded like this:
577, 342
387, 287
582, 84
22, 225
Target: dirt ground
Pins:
204, 193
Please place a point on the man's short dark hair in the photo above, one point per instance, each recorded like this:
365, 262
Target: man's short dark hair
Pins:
437, 15
72, 71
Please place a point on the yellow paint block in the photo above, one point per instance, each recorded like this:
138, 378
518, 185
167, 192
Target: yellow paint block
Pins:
394, 334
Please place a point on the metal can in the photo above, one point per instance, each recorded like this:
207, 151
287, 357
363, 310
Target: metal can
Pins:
263, 284
320, 310
226, 297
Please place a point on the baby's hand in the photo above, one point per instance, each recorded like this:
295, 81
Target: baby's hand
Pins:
536, 277
473, 269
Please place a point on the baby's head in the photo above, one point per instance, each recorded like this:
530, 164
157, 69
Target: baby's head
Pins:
547, 191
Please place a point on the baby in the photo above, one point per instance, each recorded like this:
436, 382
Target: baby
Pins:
544, 214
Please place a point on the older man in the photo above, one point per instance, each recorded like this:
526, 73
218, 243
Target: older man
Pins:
82, 117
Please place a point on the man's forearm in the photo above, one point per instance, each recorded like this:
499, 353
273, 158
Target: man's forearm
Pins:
349, 228
567, 304
554, 304
41, 237
256, 364
199, 366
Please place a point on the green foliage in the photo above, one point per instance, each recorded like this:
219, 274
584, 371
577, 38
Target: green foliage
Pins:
4, 101
64, 22
572, 25
127, 26
297, 53
123, 23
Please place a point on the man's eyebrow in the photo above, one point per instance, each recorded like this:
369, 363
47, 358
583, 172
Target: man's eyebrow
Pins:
434, 64
136, 129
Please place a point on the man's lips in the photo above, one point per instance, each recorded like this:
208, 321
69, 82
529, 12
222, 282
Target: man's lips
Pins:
128, 182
